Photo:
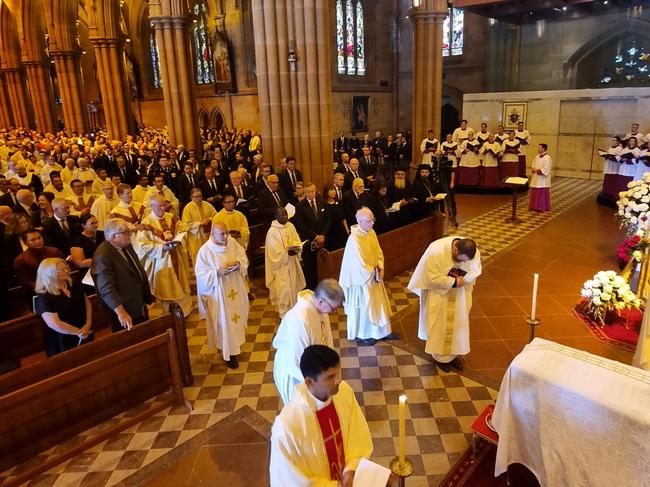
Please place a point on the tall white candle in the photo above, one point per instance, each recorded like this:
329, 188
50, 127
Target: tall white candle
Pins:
534, 304
402, 429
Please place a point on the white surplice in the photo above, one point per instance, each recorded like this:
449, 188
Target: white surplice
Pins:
366, 302
444, 310
543, 162
193, 215
222, 300
303, 325
284, 276
298, 456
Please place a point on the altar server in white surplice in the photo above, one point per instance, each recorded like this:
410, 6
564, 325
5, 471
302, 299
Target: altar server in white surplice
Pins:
319, 438
221, 267
164, 259
284, 276
444, 279
197, 217
362, 278
307, 323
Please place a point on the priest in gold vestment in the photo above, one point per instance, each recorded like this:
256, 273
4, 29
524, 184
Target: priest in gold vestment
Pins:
197, 217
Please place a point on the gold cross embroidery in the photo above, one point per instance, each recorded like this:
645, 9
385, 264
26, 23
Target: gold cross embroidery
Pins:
337, 447
235, 319
233, 294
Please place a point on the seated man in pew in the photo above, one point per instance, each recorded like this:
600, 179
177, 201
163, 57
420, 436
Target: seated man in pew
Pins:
26, 264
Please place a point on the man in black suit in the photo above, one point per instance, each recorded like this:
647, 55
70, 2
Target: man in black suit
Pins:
369, 166
120, 279
9, 198
290, 177
353, 200
312, 225
211, 187
354, 173
271, 198
238, 187
61, 230
127, 173
181, 154
27, 206
187, 182
262, 181
341, 145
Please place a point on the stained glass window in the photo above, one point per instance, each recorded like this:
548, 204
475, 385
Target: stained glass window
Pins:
350, 40
203, 67
156, 78
452, 32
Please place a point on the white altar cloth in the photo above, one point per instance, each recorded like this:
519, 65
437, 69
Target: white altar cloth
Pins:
573, 418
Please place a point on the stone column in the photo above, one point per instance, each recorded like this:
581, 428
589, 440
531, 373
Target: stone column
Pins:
295, 96
17, 97
73, 95
173, 39
113, 84
427, 20
42, 93
5, 111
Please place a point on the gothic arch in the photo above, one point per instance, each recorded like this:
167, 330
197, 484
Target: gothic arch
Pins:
9, 49
203, 118
217, 119
31, 30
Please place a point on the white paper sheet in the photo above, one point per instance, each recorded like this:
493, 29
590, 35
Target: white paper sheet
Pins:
88, 279
440, 196
370, 474
291, 210
240, 201
394, 208
179, 237
516, 180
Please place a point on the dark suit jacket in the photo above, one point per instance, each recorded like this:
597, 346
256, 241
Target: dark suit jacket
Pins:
55, 237
209, 194
285, 181
267, 204
117, 282
307, 225
130, 176
35, 217
7, 200
185, 187
349, 178
351, 204
370, 169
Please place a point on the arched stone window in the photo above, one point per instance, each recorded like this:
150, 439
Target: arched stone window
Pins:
203, 68
350, 40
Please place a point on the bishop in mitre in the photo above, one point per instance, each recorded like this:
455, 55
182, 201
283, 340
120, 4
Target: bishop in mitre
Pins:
197, 217
284, 276
159, 245
221, 266
307, 323
444, 279
362, 278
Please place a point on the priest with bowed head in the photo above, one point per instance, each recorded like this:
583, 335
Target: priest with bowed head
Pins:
319, 438
444, 279
307, 323
221, 266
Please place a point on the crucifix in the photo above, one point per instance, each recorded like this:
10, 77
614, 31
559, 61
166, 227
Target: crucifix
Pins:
232, 294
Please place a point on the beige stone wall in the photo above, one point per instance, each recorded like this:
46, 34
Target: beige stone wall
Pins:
381, 112
574, 123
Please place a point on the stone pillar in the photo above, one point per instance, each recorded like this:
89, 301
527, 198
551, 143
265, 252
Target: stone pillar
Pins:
17, 97
173, 39
73, 95
295, 96
42, 93
113, 84
5, 111
427, 20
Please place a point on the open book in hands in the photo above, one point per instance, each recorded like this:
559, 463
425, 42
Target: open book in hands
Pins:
456, 272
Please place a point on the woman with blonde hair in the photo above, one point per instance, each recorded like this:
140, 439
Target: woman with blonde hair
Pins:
64, 307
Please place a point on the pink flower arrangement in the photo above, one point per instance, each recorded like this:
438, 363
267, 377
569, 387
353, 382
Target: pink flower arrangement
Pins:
626, 248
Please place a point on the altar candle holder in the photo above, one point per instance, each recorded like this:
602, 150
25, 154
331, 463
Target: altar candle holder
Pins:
533, 323
401, 471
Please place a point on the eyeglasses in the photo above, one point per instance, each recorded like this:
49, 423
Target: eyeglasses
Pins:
125, 232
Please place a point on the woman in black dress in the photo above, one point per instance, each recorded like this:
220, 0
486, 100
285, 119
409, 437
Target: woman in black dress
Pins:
84, 245
338, 232
45, 205
64, 307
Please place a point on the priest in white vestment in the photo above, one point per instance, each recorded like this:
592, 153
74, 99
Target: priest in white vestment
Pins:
221, 267
197, 217
362, 278
159, 245
319, 438
444, 279
282, 249
104, 204
307, 323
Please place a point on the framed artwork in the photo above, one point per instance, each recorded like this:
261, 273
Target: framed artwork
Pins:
360, 113
513, 113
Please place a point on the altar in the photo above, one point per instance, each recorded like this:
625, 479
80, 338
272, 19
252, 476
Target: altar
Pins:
573, 418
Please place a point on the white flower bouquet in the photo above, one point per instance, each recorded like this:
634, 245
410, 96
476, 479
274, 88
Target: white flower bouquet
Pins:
634, 205
608, 292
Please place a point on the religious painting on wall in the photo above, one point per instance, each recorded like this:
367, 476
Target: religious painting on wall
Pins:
222, 57
513, 113
360, 113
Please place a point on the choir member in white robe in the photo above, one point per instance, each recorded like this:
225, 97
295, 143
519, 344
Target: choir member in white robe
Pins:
500, 136
611, 166
284, 276
197, 218
163, 258
522, 135
429, 147
469, 162
540, 182
461, 133
643, 165
319, 438
449, 148
104, 204
510, 157
641, 139
627, 171
221, 267
445, 300
483, 135
362, 278
490, 153
307, 323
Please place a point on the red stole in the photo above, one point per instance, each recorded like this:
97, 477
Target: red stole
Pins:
330, 428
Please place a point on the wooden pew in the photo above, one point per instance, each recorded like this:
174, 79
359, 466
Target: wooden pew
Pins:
402, 248
52, 401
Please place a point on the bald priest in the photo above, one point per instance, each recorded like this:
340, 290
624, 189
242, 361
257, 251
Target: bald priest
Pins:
319, 438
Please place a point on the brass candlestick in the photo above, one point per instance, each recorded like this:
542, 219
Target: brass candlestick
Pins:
401, 471
532, 322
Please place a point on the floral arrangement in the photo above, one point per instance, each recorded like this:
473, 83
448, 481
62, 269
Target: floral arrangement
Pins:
608, 292
634, 205
632, 248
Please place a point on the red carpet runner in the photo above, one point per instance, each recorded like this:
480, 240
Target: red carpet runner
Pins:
614, 333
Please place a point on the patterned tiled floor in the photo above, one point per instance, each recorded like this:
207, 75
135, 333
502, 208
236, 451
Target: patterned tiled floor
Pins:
441, 406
